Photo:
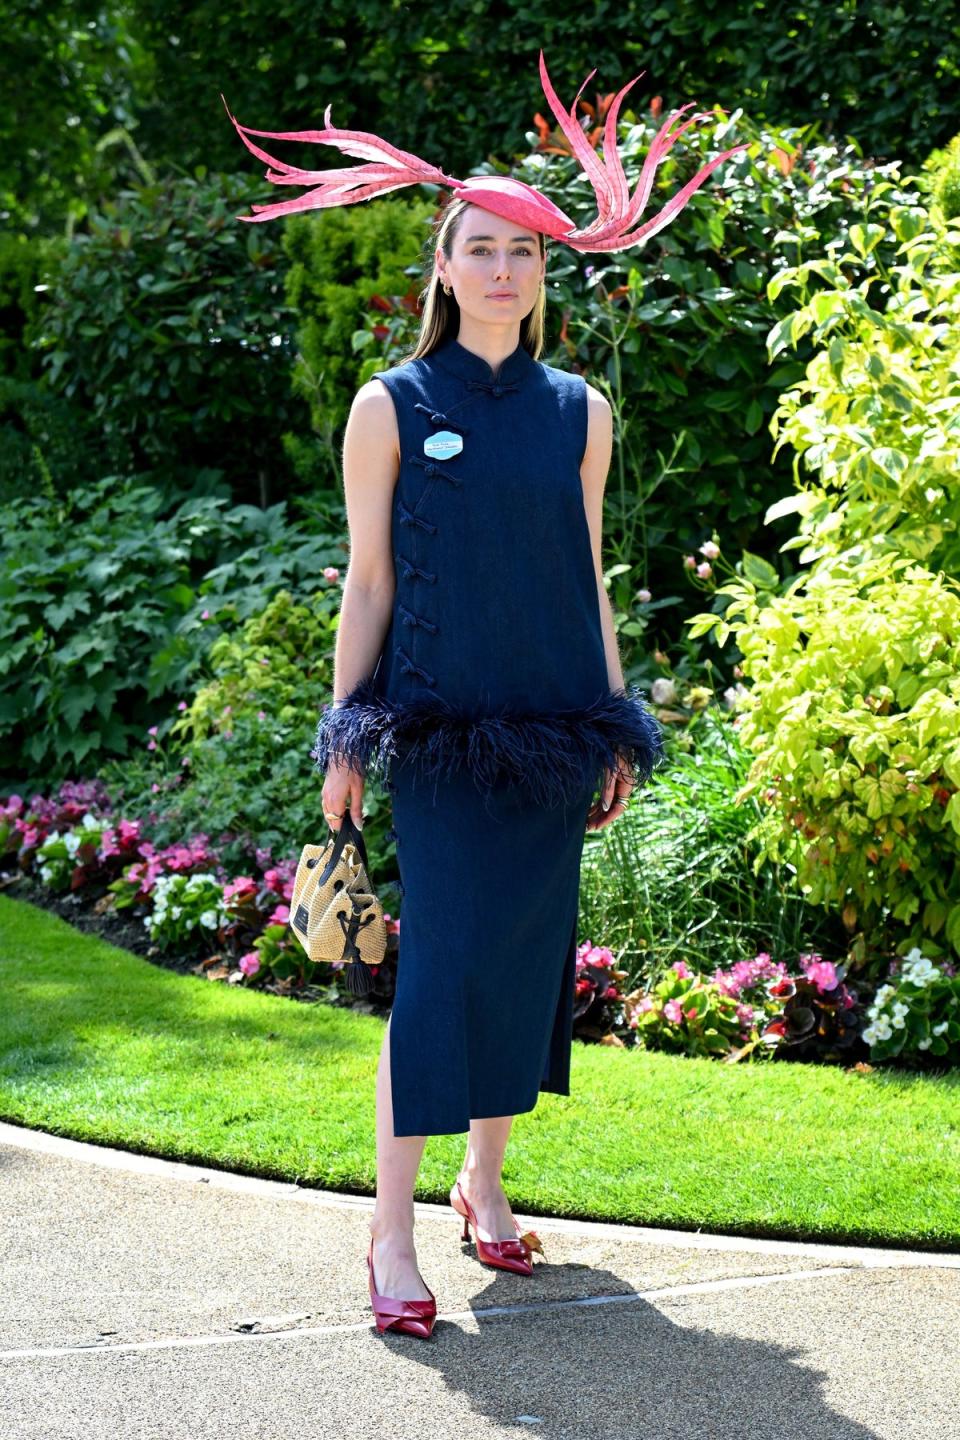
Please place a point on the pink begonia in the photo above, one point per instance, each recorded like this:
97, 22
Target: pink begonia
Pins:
689, 562
692, 1013
646, 1003
705, 570
280, 878
610, 993
153, 729
249, 963
152, 745
673, 1012
240, 889
821, 973
331, 572
154, 787
280, 916
710, 548
745, 1014
205, 615
682, 969
182, 705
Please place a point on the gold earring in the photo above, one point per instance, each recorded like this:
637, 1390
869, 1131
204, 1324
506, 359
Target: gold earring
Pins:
446, 288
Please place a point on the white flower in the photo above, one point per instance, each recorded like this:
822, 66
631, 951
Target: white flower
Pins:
923, 1044
939, 1029
663, 691
176, 911
90, 821
209, 919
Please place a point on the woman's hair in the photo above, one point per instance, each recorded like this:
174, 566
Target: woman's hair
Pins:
440, 318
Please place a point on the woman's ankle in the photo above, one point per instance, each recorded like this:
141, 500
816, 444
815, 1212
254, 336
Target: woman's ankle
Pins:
391, 1227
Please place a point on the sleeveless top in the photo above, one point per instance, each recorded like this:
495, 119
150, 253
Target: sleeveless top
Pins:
494, 657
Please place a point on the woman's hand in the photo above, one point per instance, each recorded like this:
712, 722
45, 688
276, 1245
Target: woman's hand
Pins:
618, 784
342, 791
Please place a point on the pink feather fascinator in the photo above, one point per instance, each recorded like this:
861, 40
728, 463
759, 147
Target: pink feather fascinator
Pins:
387, 168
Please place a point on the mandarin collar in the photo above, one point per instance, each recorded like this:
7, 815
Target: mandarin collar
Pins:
467, 365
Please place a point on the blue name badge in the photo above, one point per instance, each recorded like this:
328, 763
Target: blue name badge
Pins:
442, 445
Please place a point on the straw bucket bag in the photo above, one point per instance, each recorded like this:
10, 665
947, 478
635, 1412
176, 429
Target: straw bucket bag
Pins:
335, 912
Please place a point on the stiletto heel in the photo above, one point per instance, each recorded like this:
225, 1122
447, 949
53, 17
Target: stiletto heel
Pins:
410, 1317
512, 1255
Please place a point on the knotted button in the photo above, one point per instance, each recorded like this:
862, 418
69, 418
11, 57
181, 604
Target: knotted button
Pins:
498, 389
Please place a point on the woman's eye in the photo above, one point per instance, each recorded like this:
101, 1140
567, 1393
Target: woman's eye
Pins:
522, 250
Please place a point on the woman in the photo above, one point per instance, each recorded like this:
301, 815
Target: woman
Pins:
476, 666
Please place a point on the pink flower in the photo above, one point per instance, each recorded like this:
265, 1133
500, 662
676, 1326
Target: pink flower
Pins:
331, 573
673, 1012
182, 705
240, 889
154, 787
689, 562
680, 966
644, 596
821, 973
205, 615
280, 916
249, 963
705, 570
710, 548
261, 714
153, 730
645, 1004
152, 745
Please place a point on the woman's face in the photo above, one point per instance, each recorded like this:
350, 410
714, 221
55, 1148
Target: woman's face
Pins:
496, 268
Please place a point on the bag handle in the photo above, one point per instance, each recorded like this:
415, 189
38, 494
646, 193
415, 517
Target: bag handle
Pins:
349, 831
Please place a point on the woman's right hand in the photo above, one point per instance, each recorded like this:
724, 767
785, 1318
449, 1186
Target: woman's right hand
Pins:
342, 791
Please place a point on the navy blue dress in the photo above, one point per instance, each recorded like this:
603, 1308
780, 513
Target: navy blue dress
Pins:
491, 719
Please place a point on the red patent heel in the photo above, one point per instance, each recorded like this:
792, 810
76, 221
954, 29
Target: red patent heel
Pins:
512, 1255
410, 1317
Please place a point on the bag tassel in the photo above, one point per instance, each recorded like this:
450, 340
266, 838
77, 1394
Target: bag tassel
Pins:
357, 978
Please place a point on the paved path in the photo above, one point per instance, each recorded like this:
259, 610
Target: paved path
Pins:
143, 1298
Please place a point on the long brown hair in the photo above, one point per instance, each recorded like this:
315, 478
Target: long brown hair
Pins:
440, 317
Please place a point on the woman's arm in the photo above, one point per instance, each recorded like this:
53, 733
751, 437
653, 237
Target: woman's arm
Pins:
371, 457
593, 472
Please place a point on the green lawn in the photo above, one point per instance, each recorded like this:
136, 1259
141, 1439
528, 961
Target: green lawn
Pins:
99, 1045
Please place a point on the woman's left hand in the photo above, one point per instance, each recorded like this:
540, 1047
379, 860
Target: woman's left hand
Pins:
617, 787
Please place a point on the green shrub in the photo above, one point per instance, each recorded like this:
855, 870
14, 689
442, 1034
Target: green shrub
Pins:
108, 607
854, 720
877, 416
166, 321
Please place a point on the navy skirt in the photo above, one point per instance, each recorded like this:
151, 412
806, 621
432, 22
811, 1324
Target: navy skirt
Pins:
482, 1019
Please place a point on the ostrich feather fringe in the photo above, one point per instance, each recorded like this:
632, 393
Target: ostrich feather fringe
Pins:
551, 755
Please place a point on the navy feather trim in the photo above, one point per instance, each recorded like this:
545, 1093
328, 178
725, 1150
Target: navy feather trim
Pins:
552, 755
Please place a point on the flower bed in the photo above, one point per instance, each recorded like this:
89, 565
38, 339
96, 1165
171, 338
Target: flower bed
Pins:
177, 907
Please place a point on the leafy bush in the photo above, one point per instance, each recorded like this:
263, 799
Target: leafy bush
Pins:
877, 416
166, 321
854, 719
107, 605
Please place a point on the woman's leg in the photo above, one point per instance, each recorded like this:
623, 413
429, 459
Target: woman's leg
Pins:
398, 1160
480, 1177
